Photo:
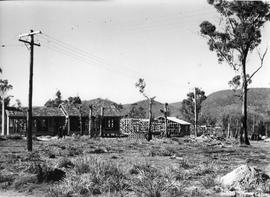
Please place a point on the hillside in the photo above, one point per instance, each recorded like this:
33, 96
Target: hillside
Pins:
227, 102
135, 110
140, 109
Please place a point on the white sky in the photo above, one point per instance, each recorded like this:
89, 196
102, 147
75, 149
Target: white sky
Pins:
112, 43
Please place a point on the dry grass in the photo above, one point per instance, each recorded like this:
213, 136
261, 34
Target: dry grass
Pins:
124, 166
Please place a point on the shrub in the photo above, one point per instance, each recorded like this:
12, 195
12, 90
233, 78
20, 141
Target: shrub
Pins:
144, 167
47, 174
205, 169
161, 152
185, 164
82, 166
65, 163
100, 150
15, 137
32, 168
208, 181
266, 187
150, 182
21, 181
91, 177
72, 151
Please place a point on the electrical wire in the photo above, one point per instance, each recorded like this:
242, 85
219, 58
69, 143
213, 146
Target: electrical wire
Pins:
80, 55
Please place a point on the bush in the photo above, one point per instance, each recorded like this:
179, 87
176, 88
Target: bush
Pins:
185, 164
65, 163
32, 168
100, 150
91, 177
47, 174
21, 181
15, 137
161, 152
82, 166
208, 181
150, 182
72, 151
266, 187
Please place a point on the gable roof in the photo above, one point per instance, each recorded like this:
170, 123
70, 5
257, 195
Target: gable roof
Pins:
182, 122
174, 119
71, 110
110, 110
36, 112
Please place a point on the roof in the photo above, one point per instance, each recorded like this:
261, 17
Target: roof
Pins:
71, 110
174, 119
36, 112
109, 109
182, 122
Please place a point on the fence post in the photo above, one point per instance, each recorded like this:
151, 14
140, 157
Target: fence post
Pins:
90, 123
101, 121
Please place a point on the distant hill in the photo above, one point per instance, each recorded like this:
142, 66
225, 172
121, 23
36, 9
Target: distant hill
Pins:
135, 110
175, 109
140, 109
110, 106
228, 102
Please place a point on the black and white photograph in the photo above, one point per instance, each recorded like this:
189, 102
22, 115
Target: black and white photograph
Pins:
134, 98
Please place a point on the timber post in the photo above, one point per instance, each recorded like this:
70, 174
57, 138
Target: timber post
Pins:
149, 137
80, 117
101, 121
3, 115
166, 120
90, 123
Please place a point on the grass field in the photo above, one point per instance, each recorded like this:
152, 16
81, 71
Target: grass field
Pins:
81, 166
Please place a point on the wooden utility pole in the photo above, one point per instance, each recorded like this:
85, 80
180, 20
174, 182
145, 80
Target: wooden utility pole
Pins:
29, 114
195, 112
90, 120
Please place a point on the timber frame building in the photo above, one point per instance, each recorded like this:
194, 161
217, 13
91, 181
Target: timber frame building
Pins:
97, 120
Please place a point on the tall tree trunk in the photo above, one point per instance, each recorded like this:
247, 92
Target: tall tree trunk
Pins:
243, 130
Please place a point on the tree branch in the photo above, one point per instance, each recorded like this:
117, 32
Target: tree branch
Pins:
223, 55
261, 58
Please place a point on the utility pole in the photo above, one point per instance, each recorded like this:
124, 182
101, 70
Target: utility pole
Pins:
195, 112
29, 114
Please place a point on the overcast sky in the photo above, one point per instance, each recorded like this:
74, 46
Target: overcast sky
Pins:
101, 48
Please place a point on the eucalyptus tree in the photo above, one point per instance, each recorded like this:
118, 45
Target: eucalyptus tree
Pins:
234, 39
141, 86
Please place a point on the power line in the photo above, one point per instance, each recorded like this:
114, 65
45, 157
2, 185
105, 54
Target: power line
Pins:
157, 23
83, 56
